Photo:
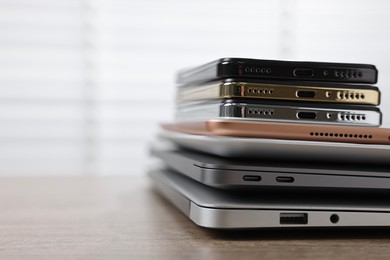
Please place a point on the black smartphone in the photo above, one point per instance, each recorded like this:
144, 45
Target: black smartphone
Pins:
280, 70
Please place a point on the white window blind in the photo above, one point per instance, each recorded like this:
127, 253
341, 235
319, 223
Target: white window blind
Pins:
83, 83
41, 87
143, 43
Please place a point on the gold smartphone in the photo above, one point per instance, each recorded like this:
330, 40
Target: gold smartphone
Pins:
315, 92
312, 132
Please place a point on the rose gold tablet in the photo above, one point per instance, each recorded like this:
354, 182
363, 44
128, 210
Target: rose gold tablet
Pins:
312, 132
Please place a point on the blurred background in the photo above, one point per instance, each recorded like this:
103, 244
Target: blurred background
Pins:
84, 83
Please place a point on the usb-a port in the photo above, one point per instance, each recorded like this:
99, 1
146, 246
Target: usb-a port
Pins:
293, 218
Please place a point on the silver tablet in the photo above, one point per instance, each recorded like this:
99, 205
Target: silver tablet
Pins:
262, 148
220, 209
263, 174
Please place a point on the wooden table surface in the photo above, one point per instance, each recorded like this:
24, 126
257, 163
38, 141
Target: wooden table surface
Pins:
122, 218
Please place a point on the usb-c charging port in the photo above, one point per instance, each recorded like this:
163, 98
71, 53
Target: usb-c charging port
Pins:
285, 179
254, 178
293, 218
307, 73
307, 115
306, 94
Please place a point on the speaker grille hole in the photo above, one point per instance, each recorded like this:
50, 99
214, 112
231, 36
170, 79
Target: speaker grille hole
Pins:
253, 112
341, 135
260, 91
347, 74
351, 117
350, 95
258, 70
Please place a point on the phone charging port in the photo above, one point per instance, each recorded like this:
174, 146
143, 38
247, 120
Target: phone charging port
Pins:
306, 93
306, 73
293, 218
307, 115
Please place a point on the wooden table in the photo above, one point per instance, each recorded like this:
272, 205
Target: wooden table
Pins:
122, 218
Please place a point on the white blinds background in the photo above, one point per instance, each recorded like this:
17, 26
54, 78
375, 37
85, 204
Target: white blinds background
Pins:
83, 83
143, 43
42, 90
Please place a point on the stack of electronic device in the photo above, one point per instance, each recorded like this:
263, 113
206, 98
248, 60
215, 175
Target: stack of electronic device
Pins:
260, 143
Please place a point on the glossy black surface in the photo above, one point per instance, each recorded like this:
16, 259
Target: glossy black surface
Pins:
280, 70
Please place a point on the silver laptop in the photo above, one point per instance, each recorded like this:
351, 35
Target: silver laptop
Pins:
220, 209
234, 173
